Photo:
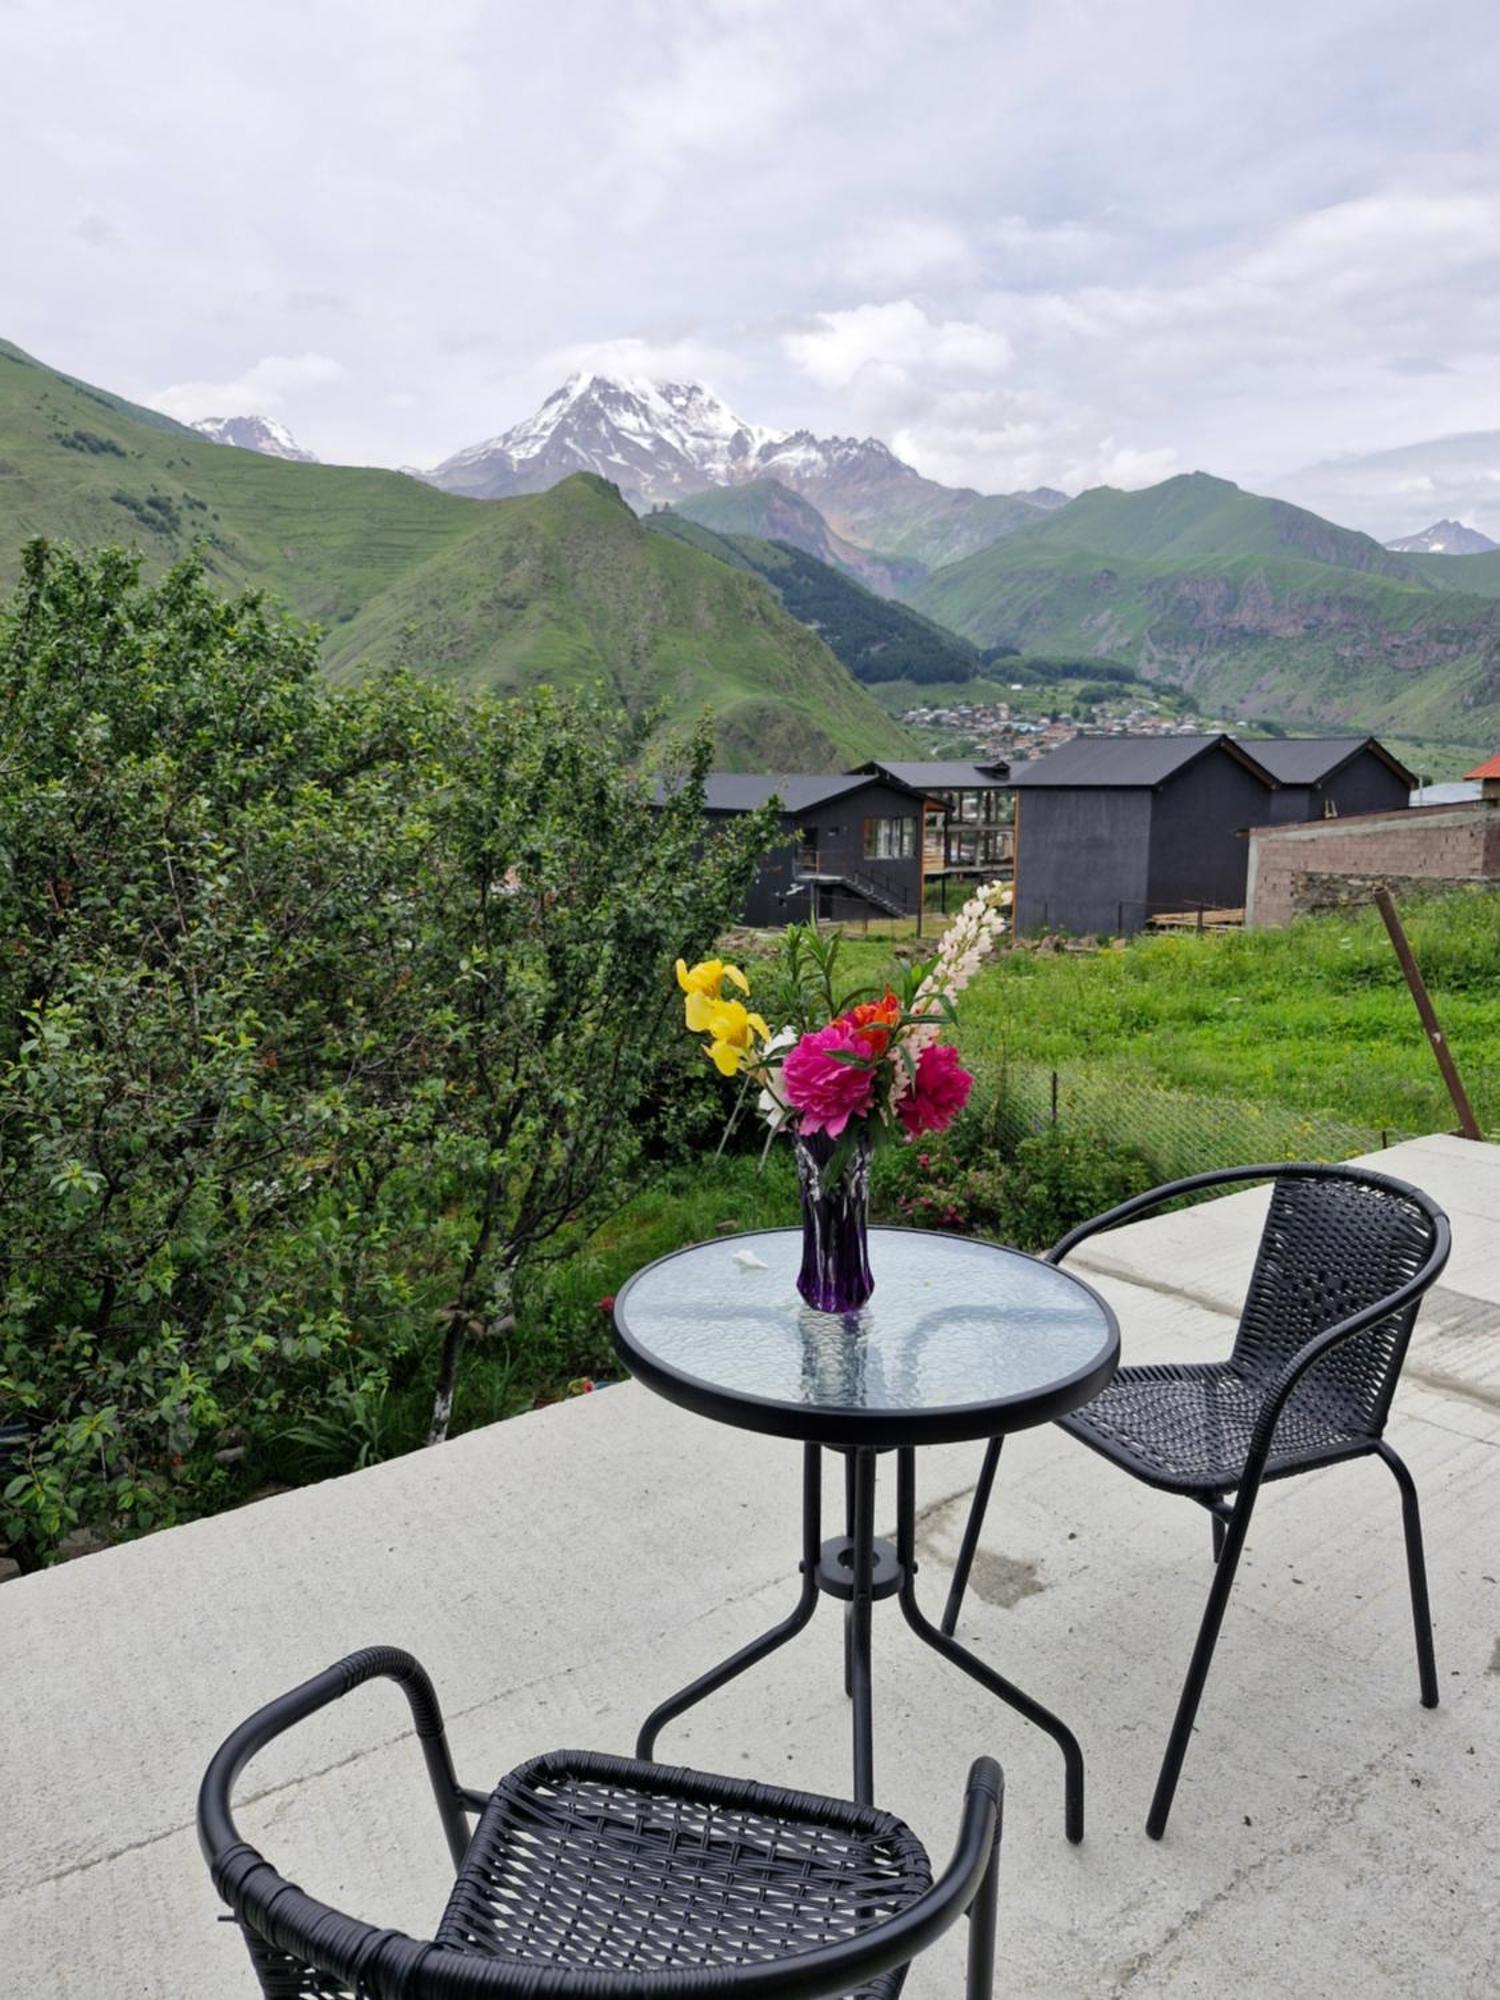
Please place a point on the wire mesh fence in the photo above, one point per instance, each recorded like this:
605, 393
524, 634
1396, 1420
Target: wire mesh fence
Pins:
1179, 1131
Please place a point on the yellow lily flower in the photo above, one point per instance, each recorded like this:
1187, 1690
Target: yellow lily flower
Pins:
734, 1031
702, 984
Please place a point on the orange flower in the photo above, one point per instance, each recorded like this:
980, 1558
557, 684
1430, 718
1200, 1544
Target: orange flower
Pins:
874, 1020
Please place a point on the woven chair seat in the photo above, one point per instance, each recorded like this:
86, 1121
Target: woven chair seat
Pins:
589, 1861
1187, 1428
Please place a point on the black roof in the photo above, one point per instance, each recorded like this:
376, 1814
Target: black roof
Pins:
743, 791
1304, 760
1113, 761
798, 791
932, 774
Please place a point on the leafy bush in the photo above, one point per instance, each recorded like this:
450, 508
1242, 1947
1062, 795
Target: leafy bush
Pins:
1027, 1193
321, 1015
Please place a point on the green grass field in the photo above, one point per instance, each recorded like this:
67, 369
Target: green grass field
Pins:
1186, 1051
1314, 1019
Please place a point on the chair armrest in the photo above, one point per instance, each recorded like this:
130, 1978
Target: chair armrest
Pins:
1139, 1204
217, 1832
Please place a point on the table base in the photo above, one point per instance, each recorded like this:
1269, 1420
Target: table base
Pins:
859, 1569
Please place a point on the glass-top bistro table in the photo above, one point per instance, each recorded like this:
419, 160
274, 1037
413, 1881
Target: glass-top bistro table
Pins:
962, 1339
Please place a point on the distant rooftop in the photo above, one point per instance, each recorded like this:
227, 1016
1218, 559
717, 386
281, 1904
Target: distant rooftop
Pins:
1457, 792
798, 791
933, 773
1490, 768
1304, 760
1110, 761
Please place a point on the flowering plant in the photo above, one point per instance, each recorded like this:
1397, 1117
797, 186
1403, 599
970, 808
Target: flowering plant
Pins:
866, 1062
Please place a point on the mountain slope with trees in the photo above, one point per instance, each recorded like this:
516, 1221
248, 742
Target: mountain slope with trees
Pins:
771, 512
877, 639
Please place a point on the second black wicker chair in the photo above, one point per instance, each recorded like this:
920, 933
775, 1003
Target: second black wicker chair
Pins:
589, 1877
1344, 1260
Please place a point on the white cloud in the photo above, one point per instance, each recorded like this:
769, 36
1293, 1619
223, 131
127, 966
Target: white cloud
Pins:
884, 344
905, 250
261, 390
843, 216
681, 359
1005, 441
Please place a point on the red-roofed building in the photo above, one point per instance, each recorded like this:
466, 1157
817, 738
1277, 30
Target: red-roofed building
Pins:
1488, 774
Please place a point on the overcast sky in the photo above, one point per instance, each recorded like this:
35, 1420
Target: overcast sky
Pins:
1072, 241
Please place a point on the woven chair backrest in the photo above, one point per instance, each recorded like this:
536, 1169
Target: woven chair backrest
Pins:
1330, 1248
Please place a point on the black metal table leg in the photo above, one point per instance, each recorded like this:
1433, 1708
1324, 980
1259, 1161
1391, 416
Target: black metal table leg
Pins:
960, 1656
768, 1643
860, 1605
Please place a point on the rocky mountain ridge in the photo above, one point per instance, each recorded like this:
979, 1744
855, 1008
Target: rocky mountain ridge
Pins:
255, 433
662, 441
1444, 538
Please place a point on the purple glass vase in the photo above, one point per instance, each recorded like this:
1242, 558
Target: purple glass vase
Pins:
835, 1275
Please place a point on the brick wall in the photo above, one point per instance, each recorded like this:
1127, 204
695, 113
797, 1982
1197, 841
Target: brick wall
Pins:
1328, 863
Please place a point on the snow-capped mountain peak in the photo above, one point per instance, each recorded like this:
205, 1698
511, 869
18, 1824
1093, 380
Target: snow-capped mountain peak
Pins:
255, 433
659, 442
1444, 538
655, 440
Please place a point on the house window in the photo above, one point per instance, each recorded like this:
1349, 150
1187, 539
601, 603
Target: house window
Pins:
891, 839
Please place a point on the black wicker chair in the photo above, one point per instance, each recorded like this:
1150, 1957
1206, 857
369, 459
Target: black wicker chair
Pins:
1344, 1260
590, 1877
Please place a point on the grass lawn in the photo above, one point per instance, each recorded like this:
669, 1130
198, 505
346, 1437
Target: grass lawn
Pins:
1191, 1051
1315, 1018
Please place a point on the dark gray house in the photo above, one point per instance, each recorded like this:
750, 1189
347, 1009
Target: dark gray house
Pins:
1114, 830
973, 841
854, 843
1330, 777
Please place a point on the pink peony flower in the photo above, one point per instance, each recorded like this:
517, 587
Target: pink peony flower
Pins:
939, 1091
826, 1091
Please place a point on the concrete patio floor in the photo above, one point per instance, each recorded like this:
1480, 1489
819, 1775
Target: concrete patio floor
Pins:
560, 1573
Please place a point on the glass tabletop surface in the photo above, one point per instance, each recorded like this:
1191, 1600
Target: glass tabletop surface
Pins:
952, 1324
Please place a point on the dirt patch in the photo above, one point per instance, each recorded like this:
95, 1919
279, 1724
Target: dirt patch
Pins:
1003, 1580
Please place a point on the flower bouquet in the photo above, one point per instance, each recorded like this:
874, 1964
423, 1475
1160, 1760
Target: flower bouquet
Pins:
845, 1072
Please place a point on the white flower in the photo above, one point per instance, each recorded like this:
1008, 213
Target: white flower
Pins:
771, 1103
967, 943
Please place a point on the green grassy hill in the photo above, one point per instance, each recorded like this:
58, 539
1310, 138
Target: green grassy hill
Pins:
570, 586
876, 639
1475, 576
1251, 604
566, 585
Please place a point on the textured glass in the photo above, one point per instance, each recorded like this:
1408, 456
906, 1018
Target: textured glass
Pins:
952, 1322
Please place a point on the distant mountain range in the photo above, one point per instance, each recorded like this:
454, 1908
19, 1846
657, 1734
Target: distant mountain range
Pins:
567, 586
662, 441
773, 545
1445, 538
1256, 606
262, 434
774, 513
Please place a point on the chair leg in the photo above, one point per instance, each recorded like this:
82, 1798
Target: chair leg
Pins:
1218, 1527
1197, 1674
983, 1920
973, 1528
1416, 1568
